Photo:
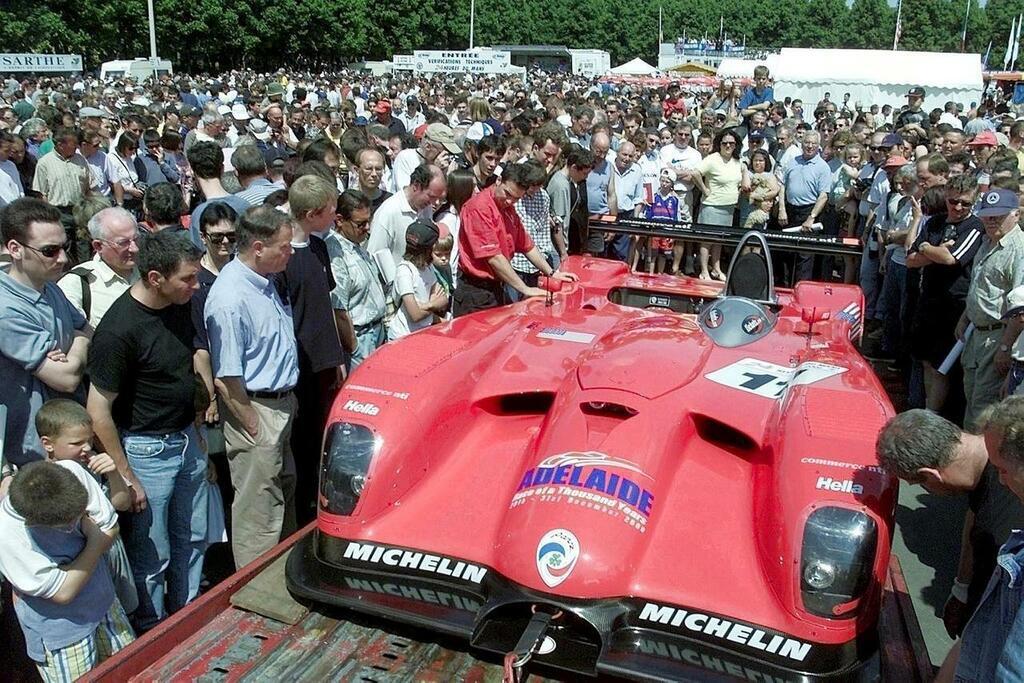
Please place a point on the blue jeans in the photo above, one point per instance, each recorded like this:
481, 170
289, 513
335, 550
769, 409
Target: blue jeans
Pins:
869, 278
892, 304
166, 542
368, 340
990, 649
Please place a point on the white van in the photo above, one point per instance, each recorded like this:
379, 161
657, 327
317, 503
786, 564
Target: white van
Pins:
139, 69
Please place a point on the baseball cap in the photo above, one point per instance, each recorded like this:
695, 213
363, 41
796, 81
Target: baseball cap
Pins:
1014, 302
892, 140
239, 112
444, 136
361, 121
985, 137
997, 202
755, 135
223, 110
274, 89
258, 128
421, 233
382, 107
188, 110
896, 161
916, 91
478, 130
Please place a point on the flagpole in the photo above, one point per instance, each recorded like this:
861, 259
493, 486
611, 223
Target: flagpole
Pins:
896, 33
472, 13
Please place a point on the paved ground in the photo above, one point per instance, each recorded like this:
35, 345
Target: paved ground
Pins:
927, 543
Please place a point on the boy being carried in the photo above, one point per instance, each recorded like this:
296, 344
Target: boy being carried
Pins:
55, 526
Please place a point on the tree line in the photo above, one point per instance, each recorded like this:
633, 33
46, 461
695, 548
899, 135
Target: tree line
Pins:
217, 35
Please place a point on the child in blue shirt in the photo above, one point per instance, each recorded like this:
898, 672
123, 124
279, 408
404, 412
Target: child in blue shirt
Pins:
55, 527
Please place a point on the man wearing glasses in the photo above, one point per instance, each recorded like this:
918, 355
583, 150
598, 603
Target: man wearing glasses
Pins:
93, 286
43, 338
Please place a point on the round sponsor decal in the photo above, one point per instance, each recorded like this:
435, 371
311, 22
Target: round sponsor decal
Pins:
753, 324
992, 198
557, 553
547, 646
715, 318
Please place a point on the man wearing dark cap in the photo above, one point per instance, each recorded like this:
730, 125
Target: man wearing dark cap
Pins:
382, 113
998, 268
914, 117
491, 233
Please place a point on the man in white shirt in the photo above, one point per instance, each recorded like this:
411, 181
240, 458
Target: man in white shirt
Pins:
427, 188
93, 286
949, 115
412, 118
10, 178
683, 159
437, 141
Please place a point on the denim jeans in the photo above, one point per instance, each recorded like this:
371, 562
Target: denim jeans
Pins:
166, 542
892, 302
869, 281
368, 340
990, 650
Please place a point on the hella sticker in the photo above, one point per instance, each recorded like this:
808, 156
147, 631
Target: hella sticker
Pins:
557, 553
753, 324
354, 406
839, 486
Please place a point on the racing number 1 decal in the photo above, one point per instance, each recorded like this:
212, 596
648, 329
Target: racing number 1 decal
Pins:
769, 379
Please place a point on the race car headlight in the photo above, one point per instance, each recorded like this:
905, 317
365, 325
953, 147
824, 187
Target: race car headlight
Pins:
348, 450
837, 558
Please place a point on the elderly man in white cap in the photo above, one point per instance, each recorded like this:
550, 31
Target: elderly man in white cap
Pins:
437, 147
240, 121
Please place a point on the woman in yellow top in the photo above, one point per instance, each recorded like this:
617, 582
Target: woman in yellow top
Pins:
718, 176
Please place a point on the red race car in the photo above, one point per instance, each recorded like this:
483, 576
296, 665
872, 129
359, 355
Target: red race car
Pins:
642, 476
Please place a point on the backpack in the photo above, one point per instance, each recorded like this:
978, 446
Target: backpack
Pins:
83, 274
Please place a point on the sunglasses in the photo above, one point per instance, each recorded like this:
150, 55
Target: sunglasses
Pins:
963, 203
880, 149
220, 237
50, 250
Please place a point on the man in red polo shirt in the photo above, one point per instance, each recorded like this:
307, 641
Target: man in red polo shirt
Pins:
490, 234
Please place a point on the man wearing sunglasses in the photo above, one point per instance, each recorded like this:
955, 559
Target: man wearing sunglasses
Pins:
93, 286
43, 338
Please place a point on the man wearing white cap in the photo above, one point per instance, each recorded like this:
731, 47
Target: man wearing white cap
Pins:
240, 120
438, 141
998, 269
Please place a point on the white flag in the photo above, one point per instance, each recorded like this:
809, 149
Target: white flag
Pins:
1016, 41
1009, 44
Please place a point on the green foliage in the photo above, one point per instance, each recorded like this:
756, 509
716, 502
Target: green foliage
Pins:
215, 35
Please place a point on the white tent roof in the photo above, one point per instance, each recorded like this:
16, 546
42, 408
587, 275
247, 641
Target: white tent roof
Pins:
635, 67
877, 76
734, 67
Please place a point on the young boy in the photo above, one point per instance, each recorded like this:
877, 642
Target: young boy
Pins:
65, 430
55, 526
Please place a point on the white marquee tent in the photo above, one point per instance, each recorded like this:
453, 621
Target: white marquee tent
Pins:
877, 76
635, 67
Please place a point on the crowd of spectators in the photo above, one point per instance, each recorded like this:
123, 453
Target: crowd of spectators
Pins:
192, 267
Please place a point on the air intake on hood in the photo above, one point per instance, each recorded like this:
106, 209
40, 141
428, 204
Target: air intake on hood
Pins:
724, 436
528, 403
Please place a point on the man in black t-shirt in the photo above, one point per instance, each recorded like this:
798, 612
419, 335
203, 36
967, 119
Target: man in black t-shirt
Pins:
944, 249
142, 403
923, 448
307, 283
